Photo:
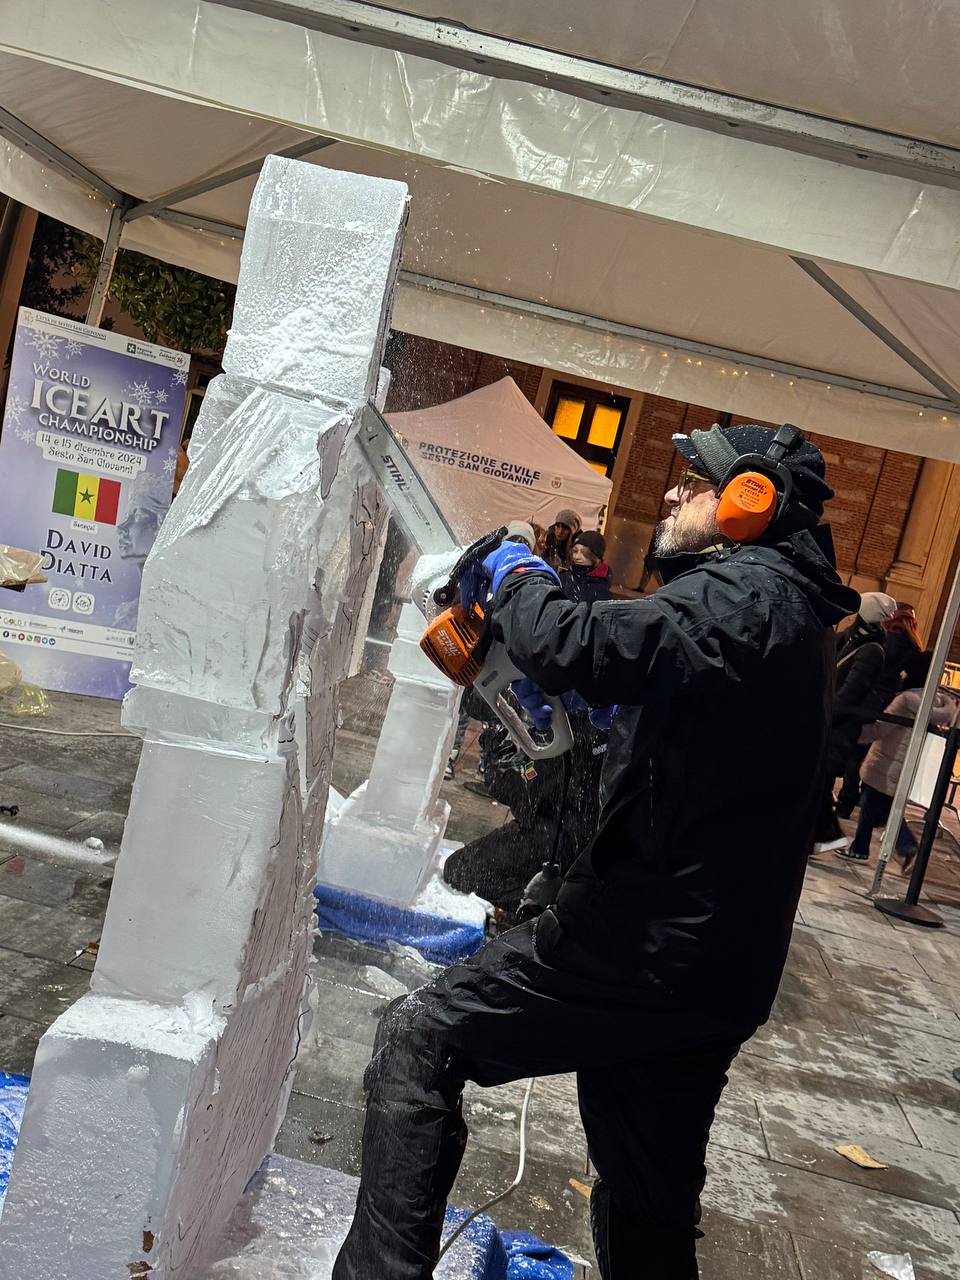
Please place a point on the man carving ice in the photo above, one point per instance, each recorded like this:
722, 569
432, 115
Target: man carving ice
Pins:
664, 949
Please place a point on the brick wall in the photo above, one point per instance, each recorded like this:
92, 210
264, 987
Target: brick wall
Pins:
873, 486
653, 463
427, 373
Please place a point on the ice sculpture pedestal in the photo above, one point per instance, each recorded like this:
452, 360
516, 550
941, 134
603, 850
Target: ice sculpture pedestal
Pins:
383, 842
295, 1216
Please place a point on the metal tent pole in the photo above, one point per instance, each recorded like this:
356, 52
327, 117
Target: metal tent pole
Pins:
908, 907
108, 259
919, 731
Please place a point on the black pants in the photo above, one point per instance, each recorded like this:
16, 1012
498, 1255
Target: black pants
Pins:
497, 865
874, 811
649, 1079
849, 795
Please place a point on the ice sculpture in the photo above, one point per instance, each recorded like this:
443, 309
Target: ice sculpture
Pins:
155, 1097
384, 839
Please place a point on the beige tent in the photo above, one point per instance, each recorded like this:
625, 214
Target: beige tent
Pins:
489, 458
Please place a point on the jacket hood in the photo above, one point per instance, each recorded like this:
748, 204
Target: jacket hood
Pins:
806, 558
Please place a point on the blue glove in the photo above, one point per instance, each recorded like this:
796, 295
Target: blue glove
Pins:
602, 717
484, 577
510, 557
533, 700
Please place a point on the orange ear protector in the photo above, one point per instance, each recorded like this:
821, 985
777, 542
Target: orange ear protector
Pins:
756, 489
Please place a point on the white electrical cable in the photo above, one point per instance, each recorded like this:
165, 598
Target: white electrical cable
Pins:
70, 733
513, 1185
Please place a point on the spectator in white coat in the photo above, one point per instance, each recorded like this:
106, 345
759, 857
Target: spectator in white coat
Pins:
881, 768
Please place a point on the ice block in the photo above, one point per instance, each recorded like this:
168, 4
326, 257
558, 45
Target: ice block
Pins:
384, 840
233, 559
157, 1096
317, 273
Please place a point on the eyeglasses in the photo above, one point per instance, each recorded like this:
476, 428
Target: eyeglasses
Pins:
688, 478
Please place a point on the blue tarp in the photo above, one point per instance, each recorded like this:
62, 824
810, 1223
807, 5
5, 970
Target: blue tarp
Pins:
13, 1099
528, 1258
369, 920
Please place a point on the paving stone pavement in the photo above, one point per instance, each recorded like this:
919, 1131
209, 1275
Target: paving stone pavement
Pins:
860, 1049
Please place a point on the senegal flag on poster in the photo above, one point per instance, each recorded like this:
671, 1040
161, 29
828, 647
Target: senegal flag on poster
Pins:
86, 497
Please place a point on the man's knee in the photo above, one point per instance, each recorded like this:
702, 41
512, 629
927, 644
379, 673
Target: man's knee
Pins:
409, 1050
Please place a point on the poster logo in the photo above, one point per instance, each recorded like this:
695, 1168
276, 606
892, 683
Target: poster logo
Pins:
86, 497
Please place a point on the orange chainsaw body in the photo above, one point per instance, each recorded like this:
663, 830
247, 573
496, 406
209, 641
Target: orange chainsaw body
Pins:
451, 642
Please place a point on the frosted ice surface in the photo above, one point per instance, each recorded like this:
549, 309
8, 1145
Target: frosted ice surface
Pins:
219, 842
320, 257
375, 859
383, 388
170, 717
230, 565
103, 1057
292, 1221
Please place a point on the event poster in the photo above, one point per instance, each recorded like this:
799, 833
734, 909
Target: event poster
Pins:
88, 450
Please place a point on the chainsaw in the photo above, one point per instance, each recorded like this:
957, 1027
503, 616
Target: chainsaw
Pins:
458, 640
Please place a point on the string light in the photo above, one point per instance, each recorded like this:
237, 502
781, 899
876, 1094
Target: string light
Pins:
920, 413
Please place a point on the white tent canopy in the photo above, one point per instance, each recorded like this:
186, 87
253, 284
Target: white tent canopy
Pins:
778, 253
489, 458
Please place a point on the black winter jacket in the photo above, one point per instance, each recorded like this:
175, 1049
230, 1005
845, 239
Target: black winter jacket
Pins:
588, 585
859, 695
714, 770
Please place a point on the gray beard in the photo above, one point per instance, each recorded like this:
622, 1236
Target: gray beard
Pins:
673, 542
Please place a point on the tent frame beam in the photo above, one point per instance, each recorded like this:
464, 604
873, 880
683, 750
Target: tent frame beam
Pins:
35, 144
161, 204
724, 113
879, 330
689, 345
224, 229
127, 208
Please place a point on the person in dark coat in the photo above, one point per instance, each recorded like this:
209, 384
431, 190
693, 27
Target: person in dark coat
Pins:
858, 700
588, 578
901, 645
560, 535
552, 816
663, 951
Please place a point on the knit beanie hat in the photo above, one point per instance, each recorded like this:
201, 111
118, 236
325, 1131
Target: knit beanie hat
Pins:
568, 518
520, 531
593, 540
877, 606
